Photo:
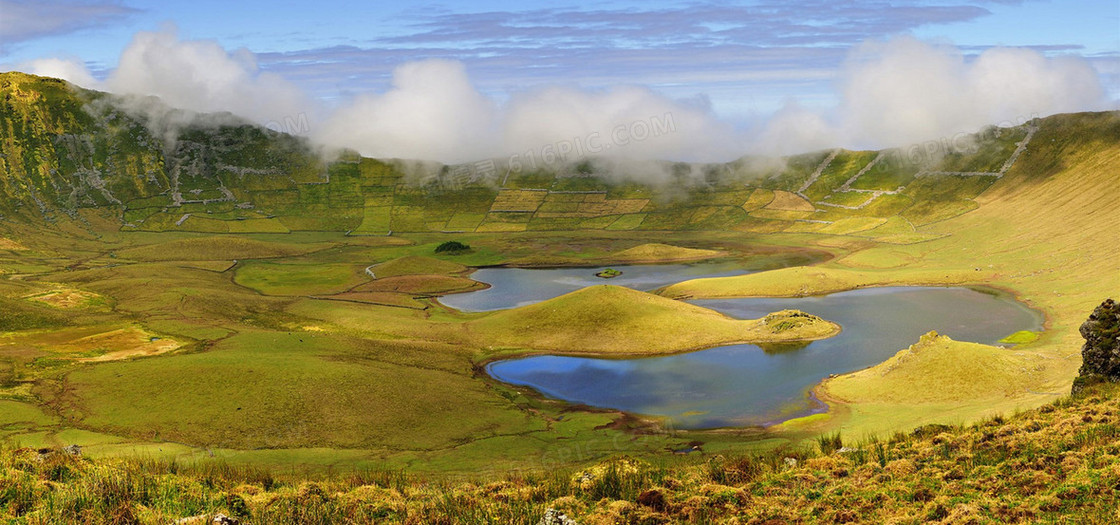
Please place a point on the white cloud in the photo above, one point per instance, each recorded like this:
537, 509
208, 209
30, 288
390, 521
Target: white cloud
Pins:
70, 70
432, 112
794, 129
200, 75
904, 90
891, 93
626, 121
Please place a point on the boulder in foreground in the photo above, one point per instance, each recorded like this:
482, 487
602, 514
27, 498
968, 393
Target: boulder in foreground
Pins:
1100, 356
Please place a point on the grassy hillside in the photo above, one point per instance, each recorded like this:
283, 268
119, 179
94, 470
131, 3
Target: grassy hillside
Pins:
934, 375
612, 320
936, 369
1054, 464
66, 150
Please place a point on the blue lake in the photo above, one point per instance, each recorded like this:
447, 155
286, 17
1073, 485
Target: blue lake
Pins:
741, 385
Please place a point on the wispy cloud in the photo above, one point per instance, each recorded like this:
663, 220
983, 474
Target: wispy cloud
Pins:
22, 20
777, 48
814, 22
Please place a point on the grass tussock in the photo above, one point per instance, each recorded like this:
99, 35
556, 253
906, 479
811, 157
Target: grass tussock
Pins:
1060, 462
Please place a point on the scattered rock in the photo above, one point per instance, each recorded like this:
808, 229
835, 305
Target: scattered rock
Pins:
791, 462
555, 517
583, 479
205, 519
1100, 356
73, 450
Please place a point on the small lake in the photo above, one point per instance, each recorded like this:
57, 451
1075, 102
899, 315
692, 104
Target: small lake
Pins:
513, 287
741, 385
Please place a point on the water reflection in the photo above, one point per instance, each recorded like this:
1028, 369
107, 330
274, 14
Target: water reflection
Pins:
746, 384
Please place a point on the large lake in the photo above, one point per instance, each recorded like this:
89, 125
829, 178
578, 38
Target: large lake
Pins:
740, 385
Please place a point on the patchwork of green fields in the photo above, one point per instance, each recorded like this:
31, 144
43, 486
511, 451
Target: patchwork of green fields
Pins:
237, 178
374, 198
274, 349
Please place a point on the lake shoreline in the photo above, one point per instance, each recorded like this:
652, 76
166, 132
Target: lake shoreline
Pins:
484, 364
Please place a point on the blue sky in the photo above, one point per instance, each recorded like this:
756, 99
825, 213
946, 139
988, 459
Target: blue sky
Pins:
746, 58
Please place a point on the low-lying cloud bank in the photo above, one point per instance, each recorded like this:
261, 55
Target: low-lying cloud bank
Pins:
890, 93
902, 91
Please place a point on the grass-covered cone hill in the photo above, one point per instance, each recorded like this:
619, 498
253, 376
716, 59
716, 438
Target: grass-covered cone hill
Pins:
613, 320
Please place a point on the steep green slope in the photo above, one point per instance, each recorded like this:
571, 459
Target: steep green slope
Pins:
64, 149
60, 153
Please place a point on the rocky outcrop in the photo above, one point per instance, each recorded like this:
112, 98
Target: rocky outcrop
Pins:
1100, 356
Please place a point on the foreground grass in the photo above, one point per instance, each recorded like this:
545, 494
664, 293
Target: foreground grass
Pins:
1057, 463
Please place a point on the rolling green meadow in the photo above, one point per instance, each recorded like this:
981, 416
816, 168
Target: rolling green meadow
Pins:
264, 338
